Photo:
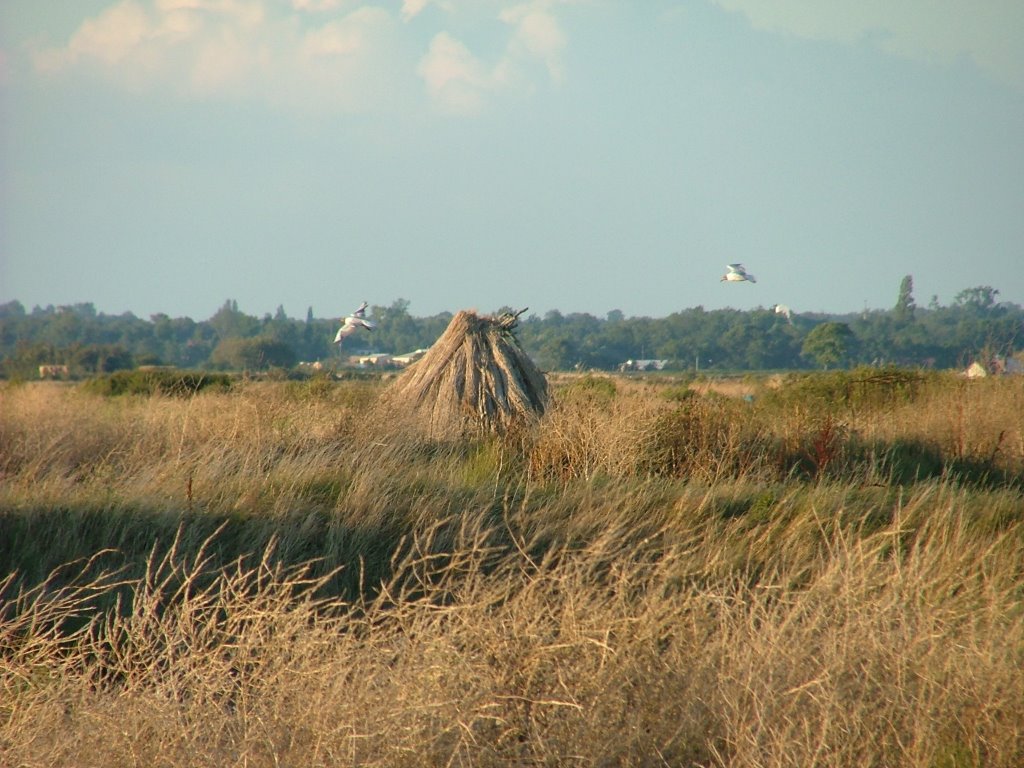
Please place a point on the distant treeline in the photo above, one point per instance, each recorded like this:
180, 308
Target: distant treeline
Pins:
975, 326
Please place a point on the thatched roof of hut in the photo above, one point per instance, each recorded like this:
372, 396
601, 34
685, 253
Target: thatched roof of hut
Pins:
475, 376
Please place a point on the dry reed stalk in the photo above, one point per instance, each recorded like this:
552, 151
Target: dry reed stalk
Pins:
613, 652
475, 377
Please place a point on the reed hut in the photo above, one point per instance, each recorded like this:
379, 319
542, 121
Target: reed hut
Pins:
475, 377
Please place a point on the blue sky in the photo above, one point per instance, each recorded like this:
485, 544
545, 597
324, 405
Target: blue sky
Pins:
579, 155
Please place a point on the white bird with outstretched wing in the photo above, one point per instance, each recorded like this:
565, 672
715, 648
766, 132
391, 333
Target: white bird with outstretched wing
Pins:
352, 323
737, 273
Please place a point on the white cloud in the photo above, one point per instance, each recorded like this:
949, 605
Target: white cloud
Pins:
126, 36
350, 63
361, 32
221, 63
246, 12
332, 53
334, 39
537, 34
412, 8
232, 48
929, 30
109, 38
316, 5
454, 76
459, 81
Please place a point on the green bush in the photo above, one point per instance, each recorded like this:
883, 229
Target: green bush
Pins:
167, 382
861, 388
678, 393
708, 437
597, 390
318, 387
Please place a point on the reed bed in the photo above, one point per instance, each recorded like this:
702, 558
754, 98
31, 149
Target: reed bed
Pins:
273, 576
475, 377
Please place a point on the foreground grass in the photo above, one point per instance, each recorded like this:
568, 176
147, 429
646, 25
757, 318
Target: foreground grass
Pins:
276, 576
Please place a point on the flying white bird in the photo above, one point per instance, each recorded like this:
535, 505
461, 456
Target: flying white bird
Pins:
737, 273
782, 309
353, 323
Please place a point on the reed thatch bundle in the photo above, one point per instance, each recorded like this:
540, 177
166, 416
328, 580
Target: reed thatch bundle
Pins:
475, 377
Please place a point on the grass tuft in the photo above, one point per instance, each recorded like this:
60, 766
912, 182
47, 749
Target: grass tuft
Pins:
272, 574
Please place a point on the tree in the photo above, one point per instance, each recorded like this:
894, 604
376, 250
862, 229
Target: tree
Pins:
229, 322
26, 358
938, 336
280, 328
99, 358
828, 344
553, 317
982, 298
12, 309
397, 331
252, 354
903, 312
558, 353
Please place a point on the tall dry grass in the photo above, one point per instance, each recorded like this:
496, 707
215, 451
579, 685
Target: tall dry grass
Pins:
272, 576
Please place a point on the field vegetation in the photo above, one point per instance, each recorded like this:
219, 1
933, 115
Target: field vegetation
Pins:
815, 569
976, 326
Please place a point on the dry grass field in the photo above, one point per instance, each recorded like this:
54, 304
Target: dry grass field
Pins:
816, 570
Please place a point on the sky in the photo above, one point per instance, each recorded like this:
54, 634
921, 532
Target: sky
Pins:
165, 156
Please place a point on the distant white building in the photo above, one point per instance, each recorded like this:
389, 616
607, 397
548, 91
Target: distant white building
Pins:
53, 371
643, 365
975, 371
408, 357
1000, 366
377, 358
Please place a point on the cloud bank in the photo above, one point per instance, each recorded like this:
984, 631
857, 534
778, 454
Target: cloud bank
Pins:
334, 54
986, 32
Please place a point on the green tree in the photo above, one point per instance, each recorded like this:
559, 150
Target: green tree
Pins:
828, 344
257, 353
558, 353
981, 298
12, 309
280, 328
26, 358
396, 330
903, 312
99, 358
229, 322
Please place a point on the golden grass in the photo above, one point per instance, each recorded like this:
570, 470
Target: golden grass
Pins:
272, 576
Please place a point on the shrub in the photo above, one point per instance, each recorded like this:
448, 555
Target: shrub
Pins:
257, 353
707, 437
175, 383
862, 388
597, 390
